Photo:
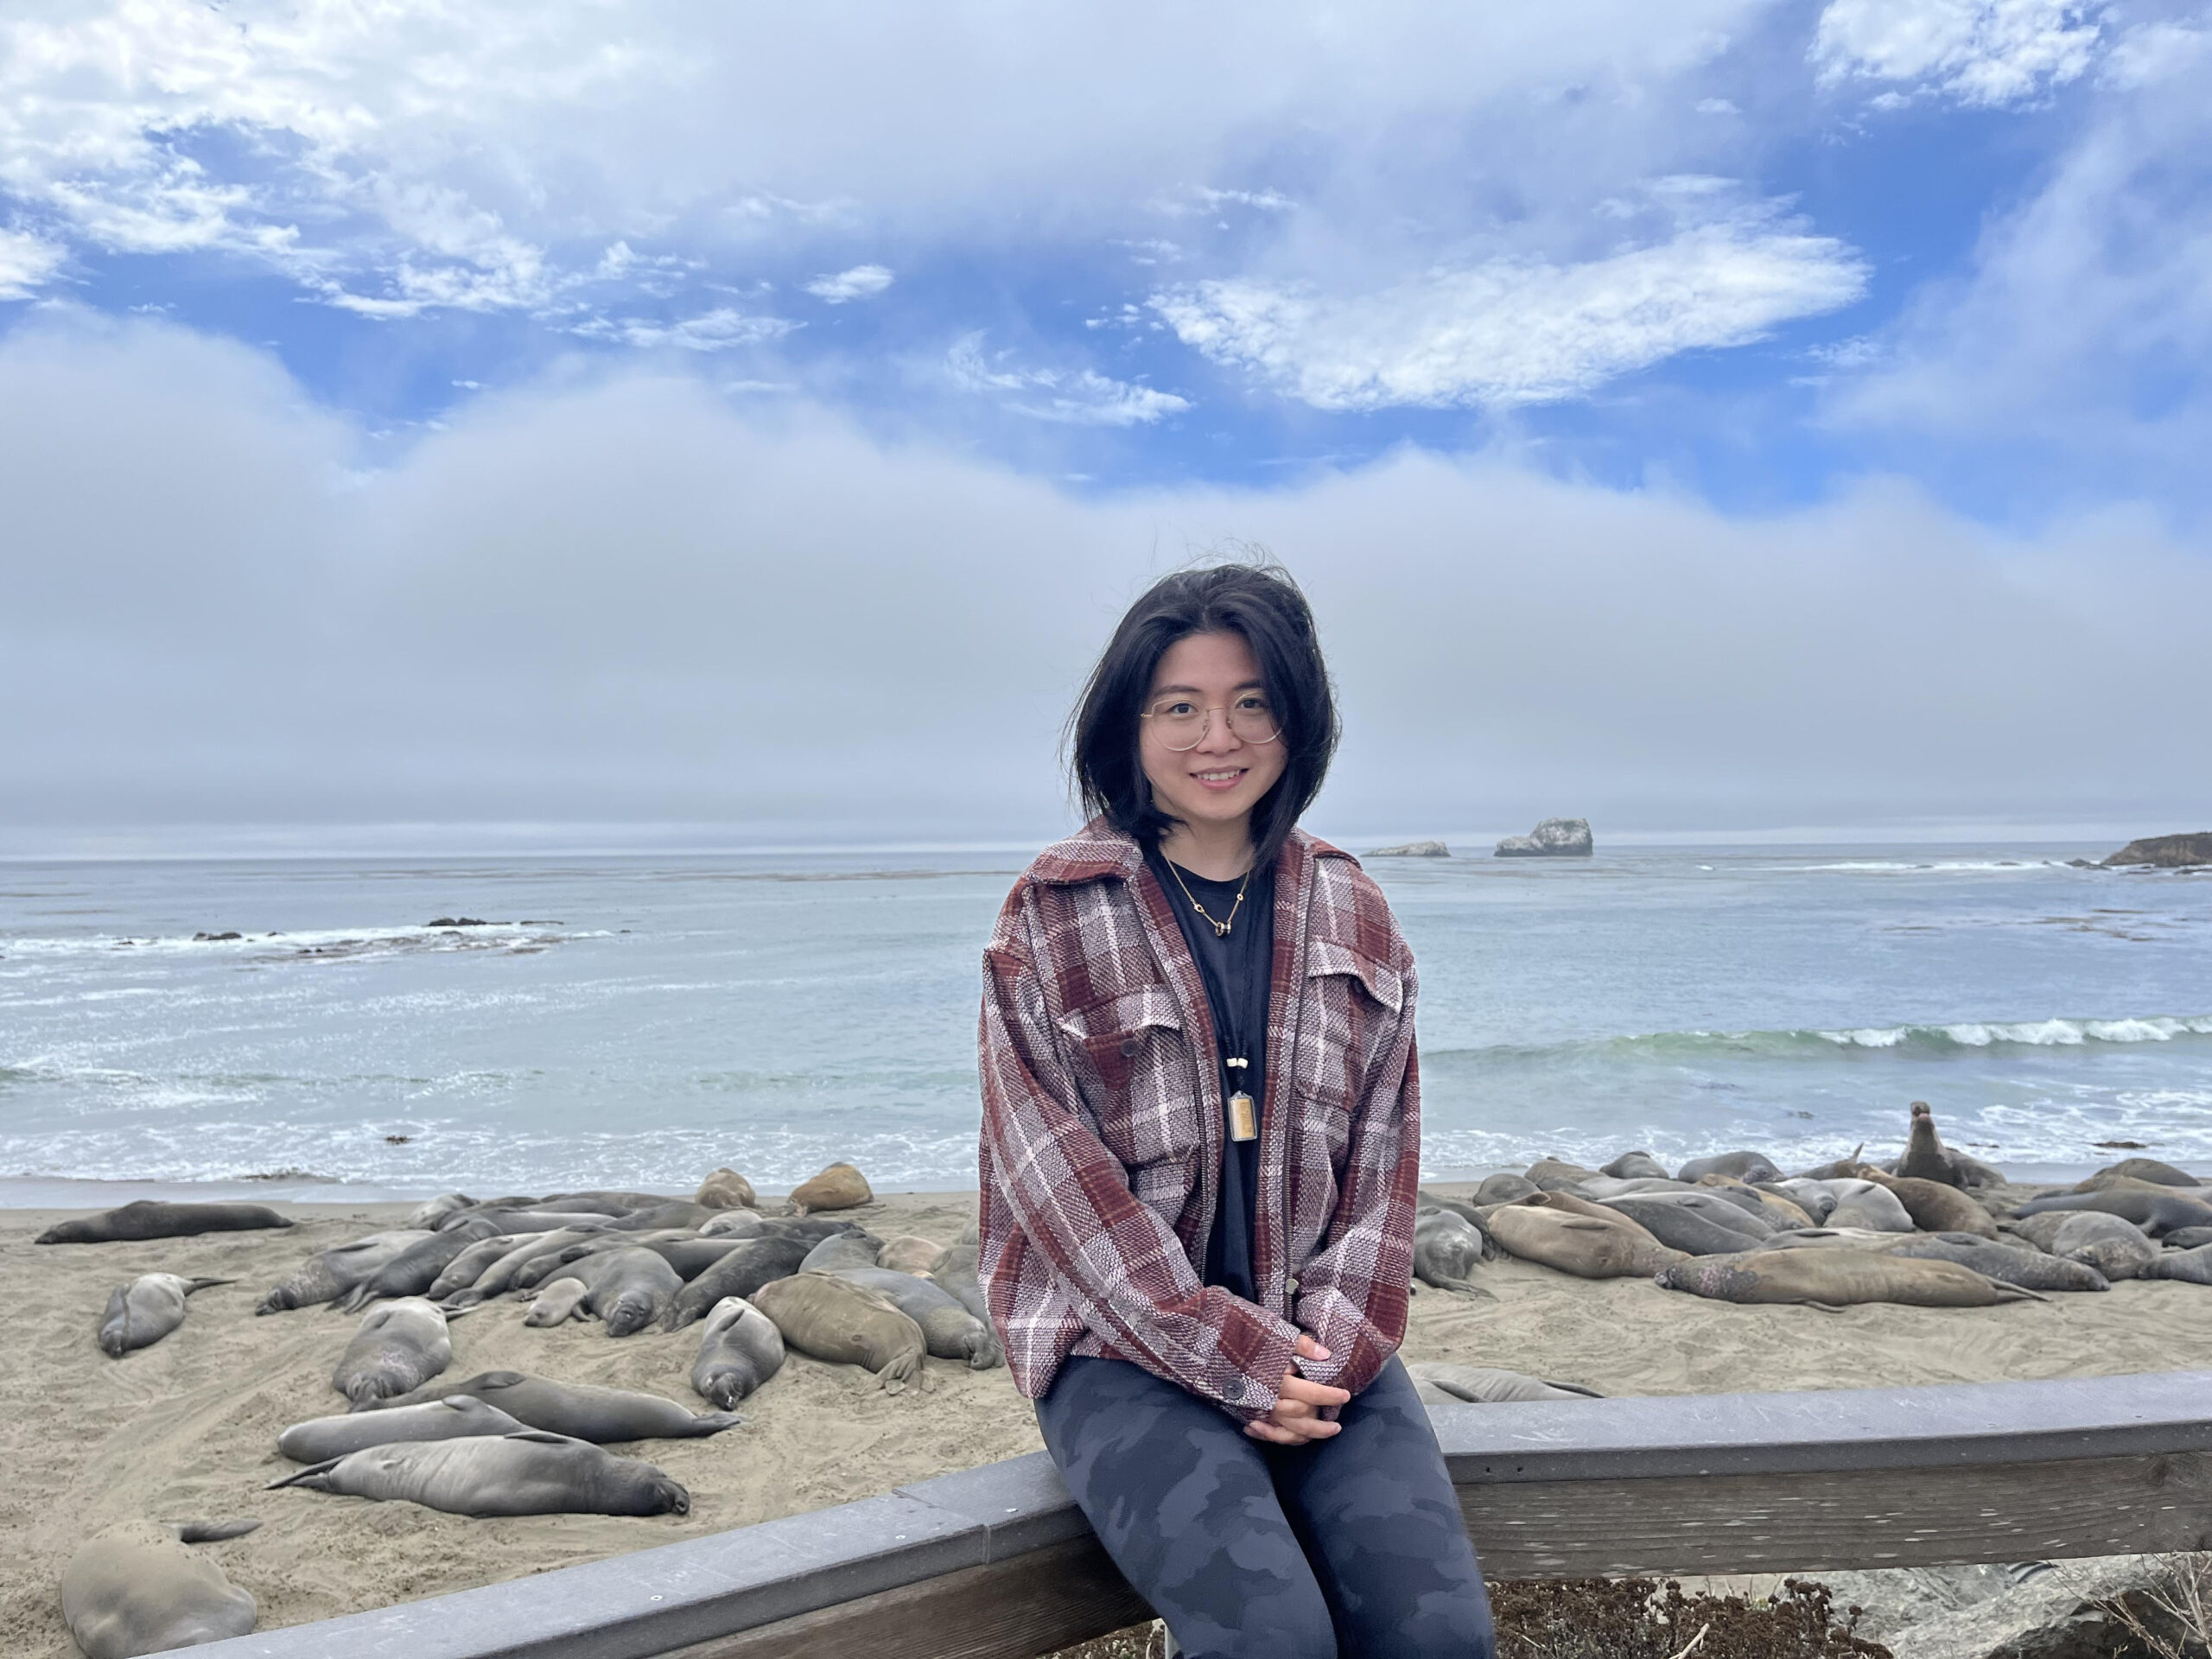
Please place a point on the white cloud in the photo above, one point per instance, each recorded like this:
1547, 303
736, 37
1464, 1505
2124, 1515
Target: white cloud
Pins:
26, 264
861, 283
1513, 332
1981, 51
718, 330
1079, 397
602, 600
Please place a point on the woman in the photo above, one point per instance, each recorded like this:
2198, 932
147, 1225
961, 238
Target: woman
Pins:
1201, 1138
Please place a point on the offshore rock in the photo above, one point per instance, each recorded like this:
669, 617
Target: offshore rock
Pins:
2165, 852
1414, 849
1553, 838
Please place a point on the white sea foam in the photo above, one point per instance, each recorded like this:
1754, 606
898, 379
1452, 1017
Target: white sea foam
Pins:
2037, 1033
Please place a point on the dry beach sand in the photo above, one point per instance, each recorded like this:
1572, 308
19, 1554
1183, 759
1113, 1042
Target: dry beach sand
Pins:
187, 1427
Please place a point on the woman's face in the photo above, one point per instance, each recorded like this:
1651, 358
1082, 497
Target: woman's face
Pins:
1221, 779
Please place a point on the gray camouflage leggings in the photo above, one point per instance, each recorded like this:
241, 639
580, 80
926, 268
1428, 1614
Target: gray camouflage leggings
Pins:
1352, 1546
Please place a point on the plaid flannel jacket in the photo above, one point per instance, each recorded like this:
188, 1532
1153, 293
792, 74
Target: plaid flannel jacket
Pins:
1103, 1129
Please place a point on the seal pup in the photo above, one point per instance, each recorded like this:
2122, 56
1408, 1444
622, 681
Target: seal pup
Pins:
330, 1273
629, 1289
725, 1189
148, 1219
557, 1303
854, 1249
740, 1349
416, 1268
2114, 1246
320, 1438
1606, 1246
2156, 1210
950, 1330
2192, 1266
135, 1589
2011, 1263
910, 1252
1744, 1165
1838, 1279
577, 1410
741, 1272
1934, 1206
838, 1187
527, 1472
828, 1317
1447, 1247
139, 1314
400, 1345
1635, 1166
1441, 1382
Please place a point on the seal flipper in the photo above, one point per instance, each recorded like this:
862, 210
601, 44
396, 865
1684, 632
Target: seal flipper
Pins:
191, 1284
213, 1532
314, 1476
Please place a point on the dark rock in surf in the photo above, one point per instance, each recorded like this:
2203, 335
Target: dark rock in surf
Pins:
2164, 852
1553, 838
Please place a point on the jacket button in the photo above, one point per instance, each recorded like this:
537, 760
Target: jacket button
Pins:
1130, 1048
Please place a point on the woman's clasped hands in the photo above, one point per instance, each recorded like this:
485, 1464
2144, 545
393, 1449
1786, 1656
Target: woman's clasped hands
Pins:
1296, 1419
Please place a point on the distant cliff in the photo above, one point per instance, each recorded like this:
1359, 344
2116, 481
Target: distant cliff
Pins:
2166, 852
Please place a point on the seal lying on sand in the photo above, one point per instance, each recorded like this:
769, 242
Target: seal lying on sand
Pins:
950, 1330
1503, 1188
741, 1272
1440, 1382
838, 1187
1838, 1279
578, 1410
1447, 1248
1834, 1238
858, 1249
956, 1276
2193, 1266
1605, 1246
725, 1189
152, 1218
136, 1590
417, 1267
1934, 1206
1548, 1174
436, 1210
2139, 1169
829, 1317
910, 1252
139, 1314
2114, 1247
556, 1302
322, 1437
330, 1273
2030, 1269
400, 1346
1712, 1228
1631, 1165
1744, 1165
629, 1289
529, 1472
1813, 1197
1860, 1202
2156, 1212
740, 1349
2187, 1238
498, 1278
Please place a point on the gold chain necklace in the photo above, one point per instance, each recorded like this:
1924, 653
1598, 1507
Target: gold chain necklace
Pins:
1220, 928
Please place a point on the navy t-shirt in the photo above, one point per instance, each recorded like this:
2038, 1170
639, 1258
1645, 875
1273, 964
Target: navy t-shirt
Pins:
1237, 968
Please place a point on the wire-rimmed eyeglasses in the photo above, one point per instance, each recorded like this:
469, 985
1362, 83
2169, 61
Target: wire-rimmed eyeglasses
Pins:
1182, 723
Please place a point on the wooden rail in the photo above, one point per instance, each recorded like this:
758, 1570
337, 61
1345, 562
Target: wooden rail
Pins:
997, 1562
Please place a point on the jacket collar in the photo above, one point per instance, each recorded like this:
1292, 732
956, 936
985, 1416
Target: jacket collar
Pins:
1098, 850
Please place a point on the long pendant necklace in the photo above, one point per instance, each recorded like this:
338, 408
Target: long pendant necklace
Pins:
1220, 928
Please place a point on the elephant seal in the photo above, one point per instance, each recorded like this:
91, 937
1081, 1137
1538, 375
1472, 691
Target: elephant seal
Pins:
949, 1331
1503, 1188
1833, 1238
1701, 1231
136, 1590
1816, 1198
732, 1223
1440, 1382
2009, 1263
830, 1318
1838, 1279
1744, 1165
629, 1289
466, 1269
956, 1276
2114, 1246
2192, 1266
1934, 1206
725, 1190
2141, 1169
680, 1213
1616, 1186
1775, 1210
741, 1272
1771, 1191
400, 1346
854, 1249
910, 1252
2187, 1238
612, 1201
1447, 1248
574, 1409
528, 1472
2156, 1211
1861, 1204
557, 1303
500, 1278
740, 1349
330, 1273
519, 1222
689, 1254
320, 1439
436, 1210
1926, 1157
1609, 1245
838, 1187
1547, 1174
139, 1314
416, 1268
1634, 1166
1829, 1172
152, 1218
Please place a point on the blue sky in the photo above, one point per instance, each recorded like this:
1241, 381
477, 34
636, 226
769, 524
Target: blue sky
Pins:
1798, 267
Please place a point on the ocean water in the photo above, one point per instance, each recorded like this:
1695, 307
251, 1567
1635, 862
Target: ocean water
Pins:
635, 1022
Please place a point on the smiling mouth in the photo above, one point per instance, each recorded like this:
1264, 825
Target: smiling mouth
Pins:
1225, 778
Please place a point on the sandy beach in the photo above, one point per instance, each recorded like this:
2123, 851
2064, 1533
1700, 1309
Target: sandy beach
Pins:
187, 1427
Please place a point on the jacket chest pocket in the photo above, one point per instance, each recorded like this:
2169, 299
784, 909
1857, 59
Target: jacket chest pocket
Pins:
1353, 1005
1143, 1084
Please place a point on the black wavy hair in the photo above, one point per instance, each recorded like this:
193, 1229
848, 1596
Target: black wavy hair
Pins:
1257, 601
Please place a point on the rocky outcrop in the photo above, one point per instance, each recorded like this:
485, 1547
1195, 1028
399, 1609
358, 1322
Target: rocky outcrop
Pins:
2165, 852
1414, 849
1553, 838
